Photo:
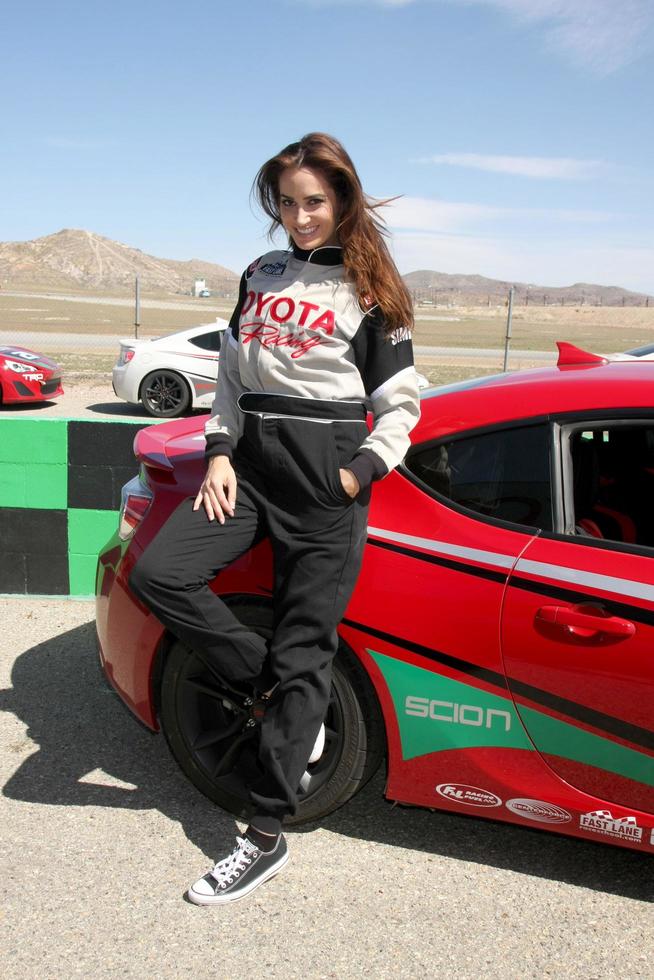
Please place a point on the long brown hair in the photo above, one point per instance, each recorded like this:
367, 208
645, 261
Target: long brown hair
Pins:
361, 231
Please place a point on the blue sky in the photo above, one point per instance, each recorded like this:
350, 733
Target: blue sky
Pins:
518, 132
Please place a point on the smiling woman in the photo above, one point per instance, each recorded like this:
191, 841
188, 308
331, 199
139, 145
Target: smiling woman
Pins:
320, 336
307, 206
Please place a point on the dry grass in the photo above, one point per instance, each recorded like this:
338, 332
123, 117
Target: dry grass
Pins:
29, 314
87, 365
445, 374
602, 329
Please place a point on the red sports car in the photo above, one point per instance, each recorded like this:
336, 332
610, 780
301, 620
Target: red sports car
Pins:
498, 647
26, 376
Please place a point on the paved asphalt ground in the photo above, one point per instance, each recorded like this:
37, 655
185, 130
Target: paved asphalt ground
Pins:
101, 834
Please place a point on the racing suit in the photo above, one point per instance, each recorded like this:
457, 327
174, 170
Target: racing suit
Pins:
300, 366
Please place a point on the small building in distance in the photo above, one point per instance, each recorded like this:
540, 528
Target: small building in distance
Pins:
200, 288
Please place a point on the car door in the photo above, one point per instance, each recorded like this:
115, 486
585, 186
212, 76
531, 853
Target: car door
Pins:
577, 625
437, 563
201, 355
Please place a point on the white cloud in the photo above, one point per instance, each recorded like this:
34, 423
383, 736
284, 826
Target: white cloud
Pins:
427, 214
546, 263
546, 246
601, 35
598, 35
557, 168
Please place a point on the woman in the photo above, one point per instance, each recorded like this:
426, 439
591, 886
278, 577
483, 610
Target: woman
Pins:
320, 333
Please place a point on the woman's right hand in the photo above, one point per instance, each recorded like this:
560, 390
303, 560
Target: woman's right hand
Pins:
218, 490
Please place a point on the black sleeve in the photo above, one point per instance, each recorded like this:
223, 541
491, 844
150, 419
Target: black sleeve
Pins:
385, 363
236, 315
378, 356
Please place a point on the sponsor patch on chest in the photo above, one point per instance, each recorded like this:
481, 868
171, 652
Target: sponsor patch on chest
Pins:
285, 309
278, 320
273, 268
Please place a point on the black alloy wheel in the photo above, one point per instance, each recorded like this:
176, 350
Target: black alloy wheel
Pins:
165, 394
213, 729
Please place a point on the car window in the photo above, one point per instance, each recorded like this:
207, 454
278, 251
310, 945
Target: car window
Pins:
641, 351
613, 482
503, 474
207, 341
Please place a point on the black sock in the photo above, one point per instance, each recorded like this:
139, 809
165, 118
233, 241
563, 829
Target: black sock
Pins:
265, 840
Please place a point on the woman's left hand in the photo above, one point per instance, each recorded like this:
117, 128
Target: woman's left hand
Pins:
350, 483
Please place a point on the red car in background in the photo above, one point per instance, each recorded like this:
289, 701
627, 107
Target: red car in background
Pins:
26, 376
498, 646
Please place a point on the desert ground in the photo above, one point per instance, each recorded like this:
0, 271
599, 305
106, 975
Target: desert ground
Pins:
452, 342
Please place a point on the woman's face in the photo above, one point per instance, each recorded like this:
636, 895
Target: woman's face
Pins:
308, 208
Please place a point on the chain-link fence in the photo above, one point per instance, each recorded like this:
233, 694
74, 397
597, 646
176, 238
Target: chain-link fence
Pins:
529, 296
455, 336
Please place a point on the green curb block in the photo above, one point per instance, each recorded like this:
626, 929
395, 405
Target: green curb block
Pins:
60, 483
88, 532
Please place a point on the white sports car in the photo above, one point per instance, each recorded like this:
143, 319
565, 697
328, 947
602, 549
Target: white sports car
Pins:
170, 375
177, 373
646, 353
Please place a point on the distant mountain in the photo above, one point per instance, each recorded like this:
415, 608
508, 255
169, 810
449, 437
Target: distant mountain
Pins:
427, 285
80, 260
83, 260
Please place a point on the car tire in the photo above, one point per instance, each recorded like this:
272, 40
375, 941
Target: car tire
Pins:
165, 394
213, 733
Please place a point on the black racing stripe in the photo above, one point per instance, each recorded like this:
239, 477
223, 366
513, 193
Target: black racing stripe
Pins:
465, 666
630, 611
642, 737
457, 566
645, 616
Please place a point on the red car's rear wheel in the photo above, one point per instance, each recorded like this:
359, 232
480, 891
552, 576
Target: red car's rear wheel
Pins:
213, 730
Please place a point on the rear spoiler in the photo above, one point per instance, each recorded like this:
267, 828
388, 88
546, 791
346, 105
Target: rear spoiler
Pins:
150, 443
569, 355
150, 448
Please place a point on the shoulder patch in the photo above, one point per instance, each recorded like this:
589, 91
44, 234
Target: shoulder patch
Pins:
252, 268
273, 268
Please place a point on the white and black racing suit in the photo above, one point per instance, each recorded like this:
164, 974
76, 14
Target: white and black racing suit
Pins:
300, 367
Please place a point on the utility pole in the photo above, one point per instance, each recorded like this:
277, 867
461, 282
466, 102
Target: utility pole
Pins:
507, 339
137, 307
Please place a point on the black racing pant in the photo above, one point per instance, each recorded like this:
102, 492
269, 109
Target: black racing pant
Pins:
289, 489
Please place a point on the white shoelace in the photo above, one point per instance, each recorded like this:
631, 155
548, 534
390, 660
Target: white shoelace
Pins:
230, 867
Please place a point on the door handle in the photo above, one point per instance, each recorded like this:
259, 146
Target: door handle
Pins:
586, 619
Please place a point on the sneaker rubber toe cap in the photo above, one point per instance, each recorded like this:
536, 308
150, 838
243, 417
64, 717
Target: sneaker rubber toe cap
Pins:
203, 888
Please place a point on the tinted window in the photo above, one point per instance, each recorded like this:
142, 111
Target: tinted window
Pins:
613, 482
503, 474
641, 351
208, 341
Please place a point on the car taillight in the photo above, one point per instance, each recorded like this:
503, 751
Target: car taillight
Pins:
135, 499
126, 355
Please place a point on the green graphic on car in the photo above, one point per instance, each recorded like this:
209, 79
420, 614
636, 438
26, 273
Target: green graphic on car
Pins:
436, 713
